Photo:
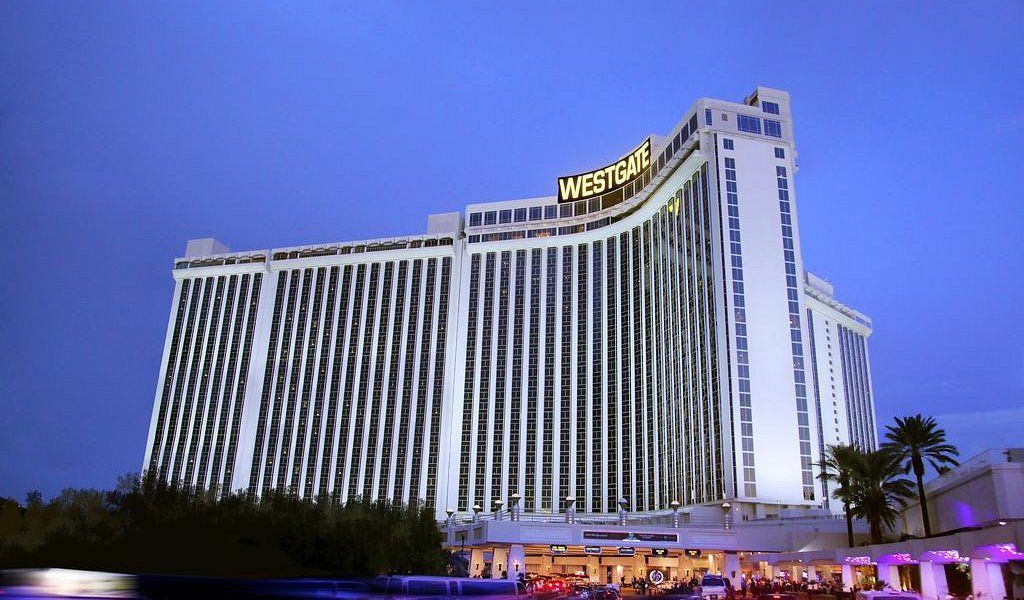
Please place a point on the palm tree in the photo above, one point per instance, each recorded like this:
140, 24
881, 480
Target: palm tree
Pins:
877, 493
915, 440
837, 465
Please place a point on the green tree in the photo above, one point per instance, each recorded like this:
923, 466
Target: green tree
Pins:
877, 492
837, 466
914, 441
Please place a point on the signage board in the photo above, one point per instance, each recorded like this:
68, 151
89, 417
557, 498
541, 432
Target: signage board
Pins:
592, 550
656, 577
693, 553
659, 551
620, 173
624, 551
627, 535
558, 549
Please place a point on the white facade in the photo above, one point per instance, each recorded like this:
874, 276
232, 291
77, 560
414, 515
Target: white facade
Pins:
650, 344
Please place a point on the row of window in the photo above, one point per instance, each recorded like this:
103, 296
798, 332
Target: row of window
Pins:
338, 370
793, 297
741, 341
634, 421
200, 407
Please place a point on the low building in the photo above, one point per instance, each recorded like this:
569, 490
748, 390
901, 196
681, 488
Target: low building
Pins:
978, 509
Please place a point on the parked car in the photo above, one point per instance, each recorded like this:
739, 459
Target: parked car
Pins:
712, 587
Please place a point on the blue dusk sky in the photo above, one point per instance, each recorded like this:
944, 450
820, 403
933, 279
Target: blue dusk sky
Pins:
127, 128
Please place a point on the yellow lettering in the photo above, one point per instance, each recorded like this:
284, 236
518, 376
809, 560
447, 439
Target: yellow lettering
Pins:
569, 187
613, 176
598, 181
620, 172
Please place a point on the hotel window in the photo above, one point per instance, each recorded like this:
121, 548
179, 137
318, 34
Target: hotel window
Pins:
707, 116
772, 128
780, 153
490, 217
505, 216
727, 143
748, 124
551, 212
565, 210
770, 107
520, 215
535, 213
474, 219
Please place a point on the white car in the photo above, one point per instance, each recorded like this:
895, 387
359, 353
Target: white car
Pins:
712, 587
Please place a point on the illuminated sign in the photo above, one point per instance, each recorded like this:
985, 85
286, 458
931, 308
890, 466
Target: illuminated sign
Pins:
558, 549
692, 553
626, 535
656, 577
592, 550
626, 551
659, 551
606, 179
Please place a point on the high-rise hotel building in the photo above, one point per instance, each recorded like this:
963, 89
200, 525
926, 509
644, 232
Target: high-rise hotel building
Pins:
647, 333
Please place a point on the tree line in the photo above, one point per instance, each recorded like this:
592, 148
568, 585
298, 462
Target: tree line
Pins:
150, 526
871, 484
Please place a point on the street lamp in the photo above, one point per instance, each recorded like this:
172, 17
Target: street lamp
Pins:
497, 509
514, 505
476, 511
570, 509
675, 513
726, 515
623, 503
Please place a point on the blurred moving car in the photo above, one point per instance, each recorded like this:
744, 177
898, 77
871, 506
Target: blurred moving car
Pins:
411, 587
887, 595
605, 592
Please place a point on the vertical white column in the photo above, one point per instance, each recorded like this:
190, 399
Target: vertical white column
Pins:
849, 581
499, 562
594, 568
980, 586
476, 562
933, 581
890, 574
516, 561
732, 568
996, 582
